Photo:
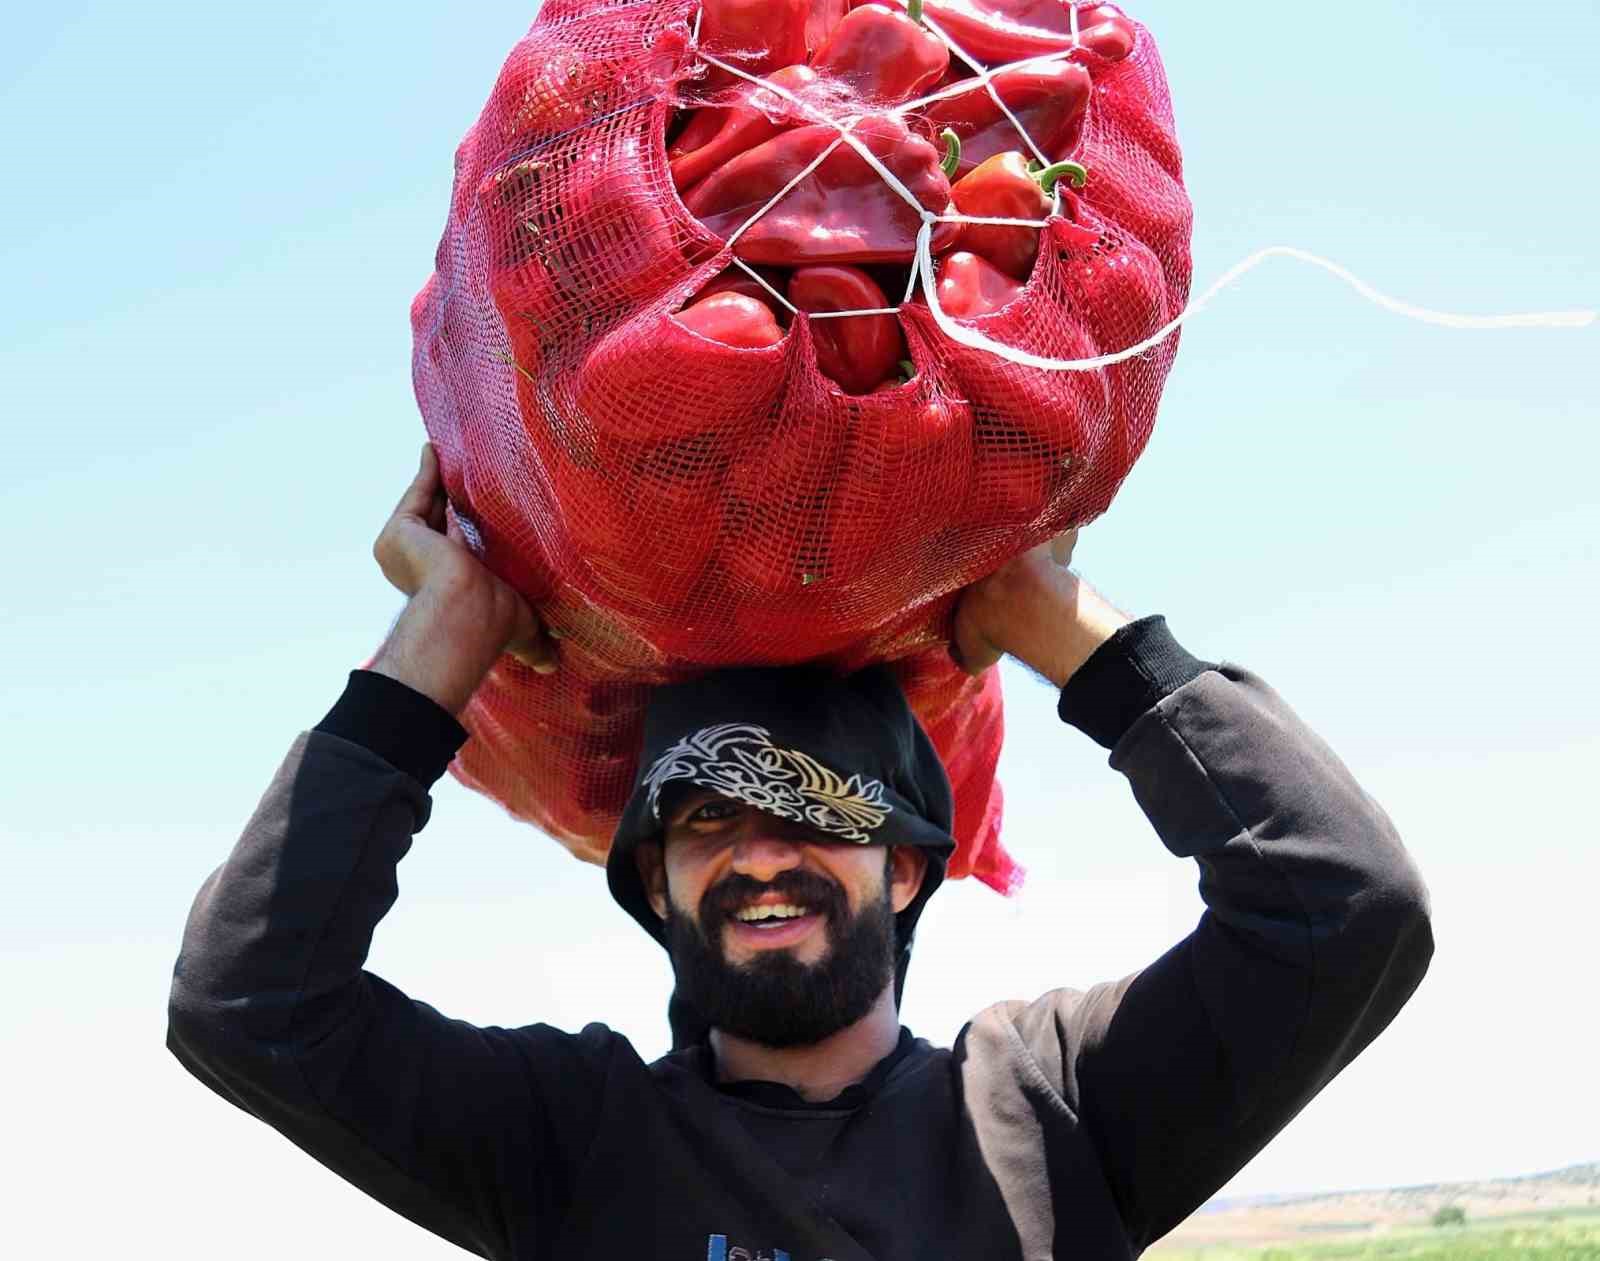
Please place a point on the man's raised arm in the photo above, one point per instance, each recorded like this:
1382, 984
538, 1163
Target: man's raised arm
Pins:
1315, 931
270, 1004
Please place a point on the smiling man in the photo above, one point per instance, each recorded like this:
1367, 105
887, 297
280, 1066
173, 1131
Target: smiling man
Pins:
785, 888
785, 830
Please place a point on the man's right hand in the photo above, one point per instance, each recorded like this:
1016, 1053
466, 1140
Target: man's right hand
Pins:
1037, 610
459, 618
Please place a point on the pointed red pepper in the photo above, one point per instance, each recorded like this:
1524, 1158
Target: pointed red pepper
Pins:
971, 286
842, 212
758, 36
1004, 187
883, 55
1050, 101
1001, 31
717, 133
857, 352
734, 319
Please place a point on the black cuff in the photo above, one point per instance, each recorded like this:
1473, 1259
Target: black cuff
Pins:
402, 726
1126, 676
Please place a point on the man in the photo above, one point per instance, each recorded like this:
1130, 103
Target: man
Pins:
785, 830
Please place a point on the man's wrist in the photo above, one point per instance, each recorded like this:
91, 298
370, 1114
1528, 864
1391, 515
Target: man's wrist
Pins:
1127, 676
403, 727
443, 644
1069, 624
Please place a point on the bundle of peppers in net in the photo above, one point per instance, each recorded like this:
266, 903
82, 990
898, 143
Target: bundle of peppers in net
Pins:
760, 328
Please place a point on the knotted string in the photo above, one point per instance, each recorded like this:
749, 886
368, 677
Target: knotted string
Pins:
923, 270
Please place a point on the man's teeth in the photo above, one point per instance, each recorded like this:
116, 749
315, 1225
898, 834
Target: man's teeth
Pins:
782, 910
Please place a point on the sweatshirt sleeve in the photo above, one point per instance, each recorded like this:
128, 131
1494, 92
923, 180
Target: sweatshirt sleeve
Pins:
446, 1123
1315, 933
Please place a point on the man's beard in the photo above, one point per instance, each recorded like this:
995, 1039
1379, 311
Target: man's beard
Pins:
775, 999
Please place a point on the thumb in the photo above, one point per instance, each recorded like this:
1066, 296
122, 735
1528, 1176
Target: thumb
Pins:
530, 643
418, 500
971, 649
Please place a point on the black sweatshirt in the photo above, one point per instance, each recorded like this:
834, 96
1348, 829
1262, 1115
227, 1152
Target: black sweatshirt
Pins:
1083, 1124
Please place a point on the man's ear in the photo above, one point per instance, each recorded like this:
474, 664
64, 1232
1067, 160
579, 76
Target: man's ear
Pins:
651, 865
907, 866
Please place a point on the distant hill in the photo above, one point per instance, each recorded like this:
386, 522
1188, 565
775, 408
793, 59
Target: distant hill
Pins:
1276, 1219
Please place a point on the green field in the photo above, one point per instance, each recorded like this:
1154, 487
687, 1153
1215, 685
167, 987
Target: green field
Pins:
1544, 1237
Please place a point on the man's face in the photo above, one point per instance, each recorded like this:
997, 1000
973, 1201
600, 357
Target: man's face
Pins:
779, 933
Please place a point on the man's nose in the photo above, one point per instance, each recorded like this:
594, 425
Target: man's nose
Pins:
763, 852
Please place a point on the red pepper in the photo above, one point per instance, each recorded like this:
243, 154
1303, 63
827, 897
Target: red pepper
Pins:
646, 381
758, 36
1004, 187
883, 55
1001, 31
856, 353
582, 234
716, 134
545, 96
970, 286
901, 435
617, 513
842, 212
1050, 102
737, 280
775, 547
503, 198
734, 319
1103, 30
825, 15
1120, 291
1123, 295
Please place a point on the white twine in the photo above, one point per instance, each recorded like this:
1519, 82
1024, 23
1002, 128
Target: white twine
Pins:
994, 95
762, 281
911, 286
966, 336
846, 135
839, 315
978, 79
785, 190
990, 219
973, 338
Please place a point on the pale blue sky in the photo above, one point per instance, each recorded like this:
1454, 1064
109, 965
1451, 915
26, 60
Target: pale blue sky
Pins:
217, 220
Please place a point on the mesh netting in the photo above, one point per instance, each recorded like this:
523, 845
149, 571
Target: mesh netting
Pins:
671, 504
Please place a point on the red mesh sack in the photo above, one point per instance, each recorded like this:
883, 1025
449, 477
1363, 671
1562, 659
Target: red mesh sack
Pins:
671, 504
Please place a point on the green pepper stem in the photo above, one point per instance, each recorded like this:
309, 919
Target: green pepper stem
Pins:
914, 10
952, 152
907, 370
1075, 173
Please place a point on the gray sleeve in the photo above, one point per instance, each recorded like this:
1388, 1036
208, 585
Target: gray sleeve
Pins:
1315, 933
272, 1009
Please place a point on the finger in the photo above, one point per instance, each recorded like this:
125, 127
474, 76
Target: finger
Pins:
531, 643
540, 659
425, 487
1061, 547
438, 513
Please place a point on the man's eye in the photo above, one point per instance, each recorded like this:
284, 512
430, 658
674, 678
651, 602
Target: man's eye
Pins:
714, 811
